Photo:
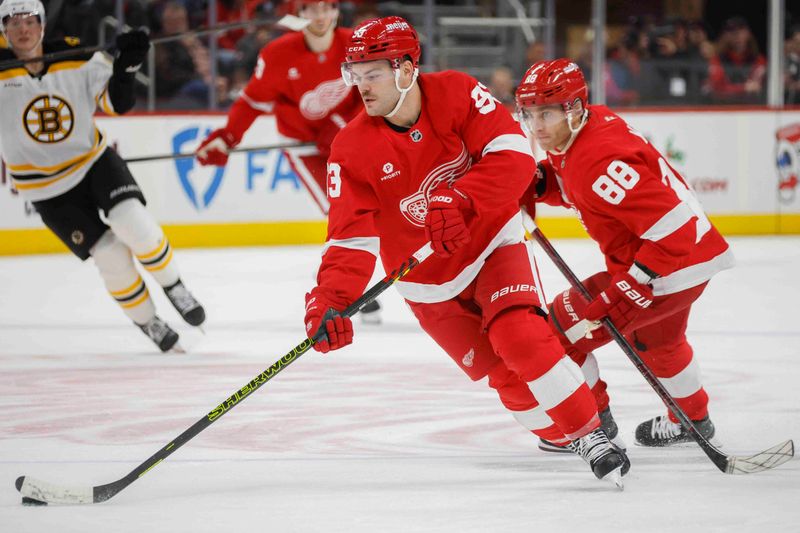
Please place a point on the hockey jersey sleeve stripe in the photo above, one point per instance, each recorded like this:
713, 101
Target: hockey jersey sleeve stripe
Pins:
266, 107
669, 223
508, 141
365, 244
692, 276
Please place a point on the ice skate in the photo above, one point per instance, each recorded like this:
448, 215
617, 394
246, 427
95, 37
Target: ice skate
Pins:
605, 459
160, 333
186, 304
661, 431
371, 313
607, 424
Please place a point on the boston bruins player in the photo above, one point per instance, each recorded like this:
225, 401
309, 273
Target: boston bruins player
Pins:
60, 161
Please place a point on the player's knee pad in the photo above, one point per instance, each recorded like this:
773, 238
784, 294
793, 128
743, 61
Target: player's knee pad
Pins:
522, 338
136, 227
123, 282
567, 312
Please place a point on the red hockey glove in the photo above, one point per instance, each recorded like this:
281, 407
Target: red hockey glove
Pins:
214, 149
621, 301
322, 320
445, 226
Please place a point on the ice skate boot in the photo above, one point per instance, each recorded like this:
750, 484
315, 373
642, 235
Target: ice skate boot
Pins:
606, 460
160, 333
186, 304
607, 424
661, 431
371, 313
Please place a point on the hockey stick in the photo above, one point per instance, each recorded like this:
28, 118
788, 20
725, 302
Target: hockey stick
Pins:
729, 464
288, 21
36, 492
278, 146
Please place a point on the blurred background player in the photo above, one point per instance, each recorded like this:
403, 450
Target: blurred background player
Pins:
59, 160
297, 77
436, 158
660, 248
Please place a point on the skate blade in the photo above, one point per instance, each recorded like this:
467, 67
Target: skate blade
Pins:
177, 349
615, 477
200, 328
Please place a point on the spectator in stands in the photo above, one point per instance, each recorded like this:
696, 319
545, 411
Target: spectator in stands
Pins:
501, 85
183, 67
737, 71
623, 70
791, 74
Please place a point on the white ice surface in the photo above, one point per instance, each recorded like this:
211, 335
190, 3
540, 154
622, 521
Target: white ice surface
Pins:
386, 435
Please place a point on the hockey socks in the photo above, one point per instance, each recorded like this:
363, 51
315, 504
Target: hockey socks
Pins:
126, 286
136, 228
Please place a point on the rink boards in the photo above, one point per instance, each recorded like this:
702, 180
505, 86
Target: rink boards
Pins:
743, 164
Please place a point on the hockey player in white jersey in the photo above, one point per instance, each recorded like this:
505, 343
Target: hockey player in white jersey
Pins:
60, 161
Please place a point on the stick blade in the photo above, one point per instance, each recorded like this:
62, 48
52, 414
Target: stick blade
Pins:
765, 460
293, 22
45, 492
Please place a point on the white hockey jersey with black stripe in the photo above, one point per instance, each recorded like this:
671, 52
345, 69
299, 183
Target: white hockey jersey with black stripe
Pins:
48, 136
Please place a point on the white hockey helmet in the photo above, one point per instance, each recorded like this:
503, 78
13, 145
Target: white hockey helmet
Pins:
9, 8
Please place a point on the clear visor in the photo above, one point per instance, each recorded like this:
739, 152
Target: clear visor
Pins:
367, 72
20, 20
534, 117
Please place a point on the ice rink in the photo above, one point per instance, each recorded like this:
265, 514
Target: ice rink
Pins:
386, 435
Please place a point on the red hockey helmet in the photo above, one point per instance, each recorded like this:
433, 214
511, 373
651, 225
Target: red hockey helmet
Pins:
559, 81
389, 38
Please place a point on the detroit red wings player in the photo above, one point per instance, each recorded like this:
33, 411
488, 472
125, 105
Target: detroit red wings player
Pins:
436, 158
659, 246
297, 78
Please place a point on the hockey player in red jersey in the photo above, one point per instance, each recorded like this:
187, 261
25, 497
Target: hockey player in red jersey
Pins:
298, 79
660, 248
436, 158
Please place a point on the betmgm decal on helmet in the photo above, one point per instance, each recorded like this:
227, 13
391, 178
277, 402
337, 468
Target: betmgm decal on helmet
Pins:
48, 119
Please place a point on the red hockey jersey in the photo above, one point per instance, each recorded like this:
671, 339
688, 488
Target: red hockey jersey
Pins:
302, 88
380, 179
635, 205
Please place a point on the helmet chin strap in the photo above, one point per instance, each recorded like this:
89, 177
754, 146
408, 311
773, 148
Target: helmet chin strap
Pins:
403, 92
573, 131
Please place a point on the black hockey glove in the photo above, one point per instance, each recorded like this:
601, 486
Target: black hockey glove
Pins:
133, 47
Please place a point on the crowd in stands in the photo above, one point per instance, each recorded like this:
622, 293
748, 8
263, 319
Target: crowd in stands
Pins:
651, 62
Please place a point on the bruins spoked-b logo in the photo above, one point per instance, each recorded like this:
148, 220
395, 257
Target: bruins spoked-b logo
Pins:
48, 119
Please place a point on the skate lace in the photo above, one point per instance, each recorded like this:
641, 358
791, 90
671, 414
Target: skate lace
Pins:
592, 446
182, 298
664, 428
